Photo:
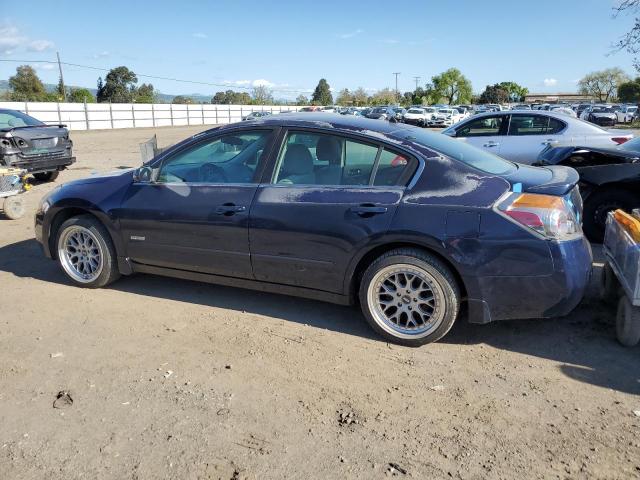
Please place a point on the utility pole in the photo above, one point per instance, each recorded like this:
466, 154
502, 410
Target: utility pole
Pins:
64, 90
397, 93
417, 79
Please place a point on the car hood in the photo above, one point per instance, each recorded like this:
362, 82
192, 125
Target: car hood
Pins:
115, 177
555, 155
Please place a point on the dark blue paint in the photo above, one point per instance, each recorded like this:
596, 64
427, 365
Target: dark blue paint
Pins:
310, 240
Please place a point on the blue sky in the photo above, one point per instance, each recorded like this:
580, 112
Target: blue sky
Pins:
545, 45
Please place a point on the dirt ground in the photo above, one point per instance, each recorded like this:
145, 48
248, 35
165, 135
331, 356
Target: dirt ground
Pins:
175, 379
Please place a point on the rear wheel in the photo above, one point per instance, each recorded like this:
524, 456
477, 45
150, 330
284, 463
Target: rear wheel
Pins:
628, 323
47, 176
599, 204
409, 297
86, 253
609, 286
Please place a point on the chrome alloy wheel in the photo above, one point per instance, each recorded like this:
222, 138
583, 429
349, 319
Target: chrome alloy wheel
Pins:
80, 254
406, 301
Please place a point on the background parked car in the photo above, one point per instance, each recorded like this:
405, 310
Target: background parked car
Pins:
581, 108
417, 116
446, 117
626, 113
399, 113
381, 113
520, 136
522, 106
609, 179
29, 144
603, 115
254, 115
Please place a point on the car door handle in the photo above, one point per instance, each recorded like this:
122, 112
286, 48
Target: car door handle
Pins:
550, 142
229, 209
491, 144
368, 210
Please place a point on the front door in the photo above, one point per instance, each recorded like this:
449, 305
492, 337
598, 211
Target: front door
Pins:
329, 196
486, 132
195, 216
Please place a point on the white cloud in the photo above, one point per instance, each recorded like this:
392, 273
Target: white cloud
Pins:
261, 82
351, 34
550, 82
10, 39
40, 45
103, 54
44, 66
199, 35
391, 41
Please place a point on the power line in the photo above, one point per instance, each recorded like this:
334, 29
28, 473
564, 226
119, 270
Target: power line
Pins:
417, 79
155, 77
397, 92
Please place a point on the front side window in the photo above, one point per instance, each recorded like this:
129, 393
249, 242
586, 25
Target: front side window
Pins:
231, 158
482, 127
332, 160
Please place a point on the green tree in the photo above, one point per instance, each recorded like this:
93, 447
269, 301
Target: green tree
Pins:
145, 93
181, 99
453, 86
302, 100
385, 96
119, 86
516, 92
630, 41
629, 92
81, 95
494, 94
26, 85
262, 95
602, 84
344, 97
61, 90
360, 97
322, 94
230, 97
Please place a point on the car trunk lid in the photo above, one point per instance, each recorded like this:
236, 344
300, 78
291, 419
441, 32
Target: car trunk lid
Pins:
548, 180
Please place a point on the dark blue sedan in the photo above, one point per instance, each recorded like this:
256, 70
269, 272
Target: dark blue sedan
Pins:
407, 223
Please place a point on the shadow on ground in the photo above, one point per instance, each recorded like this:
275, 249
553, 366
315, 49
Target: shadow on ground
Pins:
583, 343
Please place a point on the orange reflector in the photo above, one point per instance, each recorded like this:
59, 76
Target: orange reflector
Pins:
533, 200
629, 223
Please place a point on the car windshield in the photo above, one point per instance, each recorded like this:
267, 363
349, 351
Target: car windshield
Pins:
602, 109
632, 145
459, 150
380, 110
415, 110
445, 110
13, 119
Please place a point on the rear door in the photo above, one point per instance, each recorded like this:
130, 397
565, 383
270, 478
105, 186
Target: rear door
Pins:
328, 196
486, 132
529, 134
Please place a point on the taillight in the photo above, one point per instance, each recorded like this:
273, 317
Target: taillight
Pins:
547, 215
619, 140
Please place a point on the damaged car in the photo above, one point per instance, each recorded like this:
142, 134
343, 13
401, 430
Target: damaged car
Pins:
609, 179
27, 143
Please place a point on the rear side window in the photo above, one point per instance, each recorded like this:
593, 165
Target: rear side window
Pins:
482, 127
534, 125
394, 169
555, 126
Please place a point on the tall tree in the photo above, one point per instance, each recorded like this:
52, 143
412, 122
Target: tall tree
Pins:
344, 97
119, 86
360, 97
322, 94
385, 96
453, 86
262, 95
516, 92
81, 95
494, 94
26, 85
181, 99
629, 92
145, 93
302, 100
60, 89
602, 84
630, 41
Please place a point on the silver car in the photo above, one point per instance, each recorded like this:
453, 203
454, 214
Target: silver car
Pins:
520, 136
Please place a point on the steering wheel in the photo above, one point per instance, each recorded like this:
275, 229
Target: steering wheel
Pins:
212, 173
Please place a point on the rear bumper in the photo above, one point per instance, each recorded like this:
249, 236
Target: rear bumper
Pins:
42, 163
555, 295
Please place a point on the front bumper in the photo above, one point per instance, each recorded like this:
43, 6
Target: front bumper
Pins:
555, 295
415, 121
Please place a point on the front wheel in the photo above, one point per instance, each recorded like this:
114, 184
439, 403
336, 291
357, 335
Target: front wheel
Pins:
409, 297
628, 323
47, 176
86, 253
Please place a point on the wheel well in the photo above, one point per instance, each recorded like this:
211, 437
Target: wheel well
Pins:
61, 217
376, 252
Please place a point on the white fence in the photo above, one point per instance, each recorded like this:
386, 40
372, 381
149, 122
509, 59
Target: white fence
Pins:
95, 116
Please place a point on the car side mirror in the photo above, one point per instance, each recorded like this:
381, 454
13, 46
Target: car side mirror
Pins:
143, 174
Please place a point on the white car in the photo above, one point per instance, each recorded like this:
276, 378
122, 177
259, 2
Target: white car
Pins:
417, 116
446, 117
626, 113
565, 110
520, 136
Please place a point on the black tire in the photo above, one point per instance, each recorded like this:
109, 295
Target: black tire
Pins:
445, 292
628, 323
609, 290
598, 204
109, 272
47, 176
